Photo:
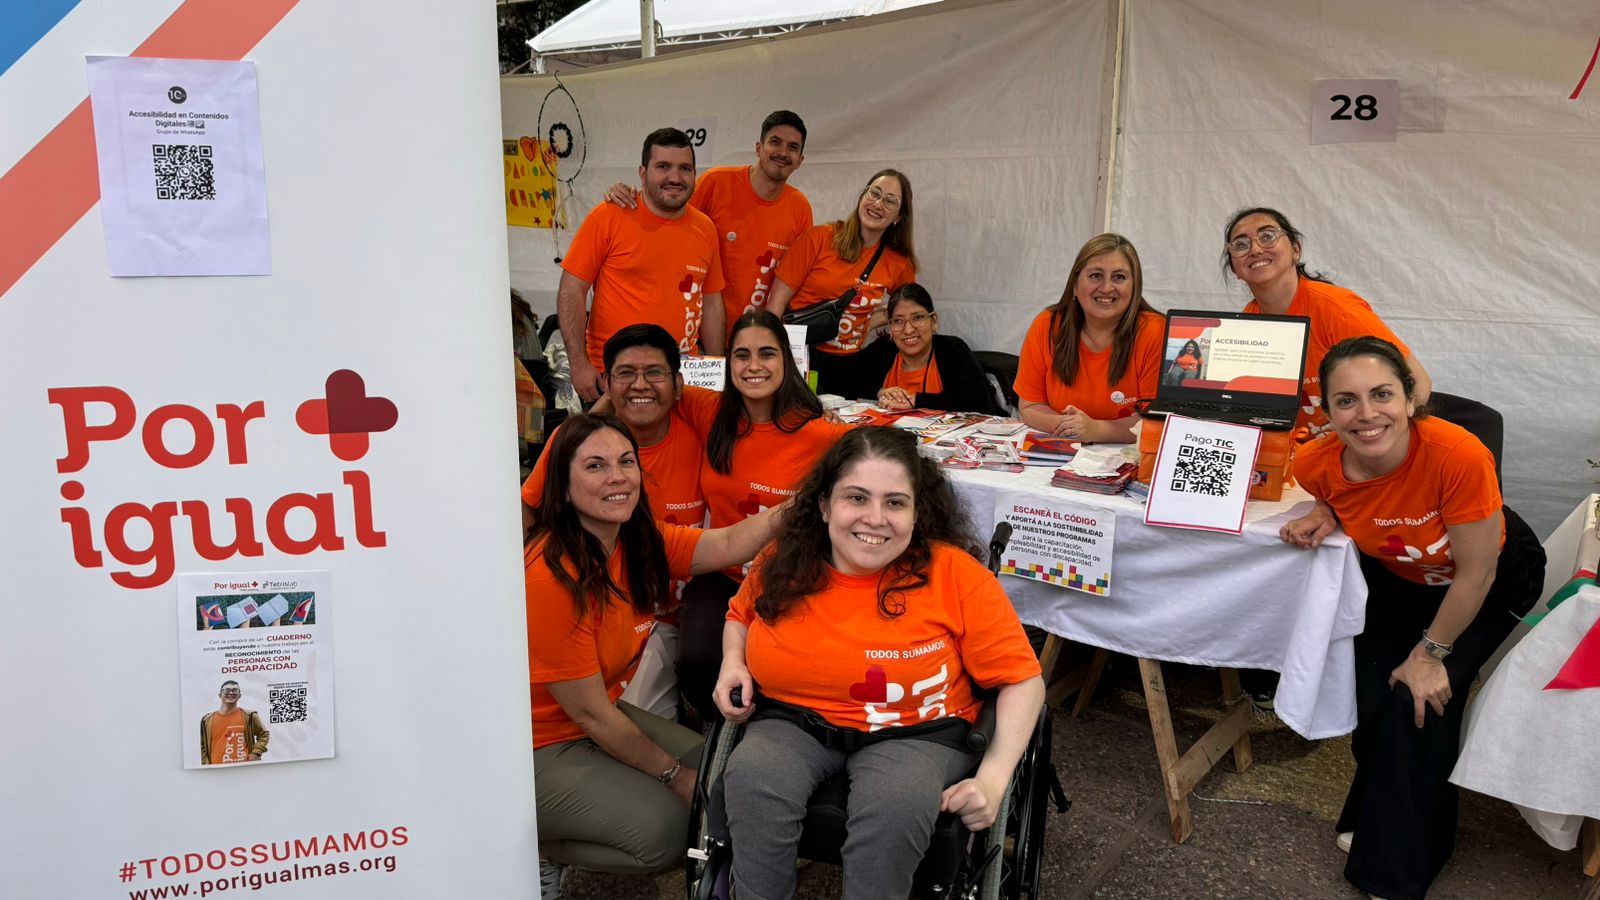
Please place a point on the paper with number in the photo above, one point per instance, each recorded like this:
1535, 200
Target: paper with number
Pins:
1355, 110
182, 187
255, 658
1062, 542
1202, 475
709, 372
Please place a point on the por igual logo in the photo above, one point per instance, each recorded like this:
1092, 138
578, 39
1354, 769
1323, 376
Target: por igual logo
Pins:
345, 416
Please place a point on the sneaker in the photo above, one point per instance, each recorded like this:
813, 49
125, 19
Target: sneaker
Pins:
1344, 839
551, 877
1262, 700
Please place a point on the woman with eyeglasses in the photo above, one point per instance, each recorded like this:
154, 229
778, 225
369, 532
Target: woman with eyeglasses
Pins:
919, 367
1262, 250
1091, 357
828, 260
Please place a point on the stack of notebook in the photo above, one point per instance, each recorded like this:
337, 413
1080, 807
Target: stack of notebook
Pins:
1048, 447
1112, 483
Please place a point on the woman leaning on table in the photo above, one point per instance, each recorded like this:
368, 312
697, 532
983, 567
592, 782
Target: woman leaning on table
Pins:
827, 260
1449, 570
613, 782
919, 367
1263, 250
1087, 361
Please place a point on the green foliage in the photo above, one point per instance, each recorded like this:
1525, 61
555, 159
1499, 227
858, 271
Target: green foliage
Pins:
520, 21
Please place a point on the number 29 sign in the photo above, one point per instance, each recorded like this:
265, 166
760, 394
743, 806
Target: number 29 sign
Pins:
1350, 110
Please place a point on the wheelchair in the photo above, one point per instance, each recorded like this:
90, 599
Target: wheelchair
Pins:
1001, 861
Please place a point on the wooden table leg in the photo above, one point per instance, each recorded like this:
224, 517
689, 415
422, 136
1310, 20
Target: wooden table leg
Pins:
1180, 774
1589, 846
1097, 665
1233, 693
1155, 698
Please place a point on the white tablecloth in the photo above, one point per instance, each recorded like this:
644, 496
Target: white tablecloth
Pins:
1242, 601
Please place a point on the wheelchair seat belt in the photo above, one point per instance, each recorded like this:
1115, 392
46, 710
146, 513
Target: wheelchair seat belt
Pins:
949, 732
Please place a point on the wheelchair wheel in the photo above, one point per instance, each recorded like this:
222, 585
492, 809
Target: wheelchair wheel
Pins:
1022, 856
708, 867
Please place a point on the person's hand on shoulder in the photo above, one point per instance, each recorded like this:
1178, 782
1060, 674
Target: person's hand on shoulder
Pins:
625, 196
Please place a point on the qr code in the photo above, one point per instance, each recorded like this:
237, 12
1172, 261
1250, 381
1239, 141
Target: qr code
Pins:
1202, 471
288, 703
184, 172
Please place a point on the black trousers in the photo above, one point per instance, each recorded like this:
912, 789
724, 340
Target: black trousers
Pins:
1402, 806
700, 620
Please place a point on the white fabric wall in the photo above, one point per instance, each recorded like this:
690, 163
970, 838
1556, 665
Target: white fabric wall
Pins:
1474, 236
990, 109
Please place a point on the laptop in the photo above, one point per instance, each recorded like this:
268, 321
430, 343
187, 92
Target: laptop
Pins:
1232, 367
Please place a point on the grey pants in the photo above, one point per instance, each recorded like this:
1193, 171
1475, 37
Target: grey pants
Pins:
894, 799
596, 813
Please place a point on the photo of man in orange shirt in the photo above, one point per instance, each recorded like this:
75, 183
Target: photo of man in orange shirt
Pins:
231, 734
657, 262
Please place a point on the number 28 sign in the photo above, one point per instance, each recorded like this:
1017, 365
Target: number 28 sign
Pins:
1348, 110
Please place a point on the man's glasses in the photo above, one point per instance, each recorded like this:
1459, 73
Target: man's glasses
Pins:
1266, 237
876, 195
654, 375
916, 320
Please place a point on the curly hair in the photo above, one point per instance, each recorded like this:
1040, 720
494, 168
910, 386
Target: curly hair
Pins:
576, 557
798, 564
1067, 320
792, 407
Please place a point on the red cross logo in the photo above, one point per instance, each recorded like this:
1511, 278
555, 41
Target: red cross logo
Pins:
346, 415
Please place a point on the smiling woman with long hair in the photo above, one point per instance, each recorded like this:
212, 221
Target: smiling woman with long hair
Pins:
869, 625
828, 260
597, 570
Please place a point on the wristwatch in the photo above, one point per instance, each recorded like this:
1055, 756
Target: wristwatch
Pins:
667, 776
1434, 648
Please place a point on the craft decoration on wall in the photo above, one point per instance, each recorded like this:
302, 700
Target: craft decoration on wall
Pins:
530, 168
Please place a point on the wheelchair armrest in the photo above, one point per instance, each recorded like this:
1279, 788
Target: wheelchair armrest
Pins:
982, 731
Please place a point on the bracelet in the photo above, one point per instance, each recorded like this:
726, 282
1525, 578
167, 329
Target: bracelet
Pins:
667, 776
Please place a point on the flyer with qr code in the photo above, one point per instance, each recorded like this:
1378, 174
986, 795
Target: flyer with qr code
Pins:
182, 187
255, 658
1202, 475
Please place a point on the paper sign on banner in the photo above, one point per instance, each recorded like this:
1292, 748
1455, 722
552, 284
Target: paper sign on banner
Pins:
182, 187
1202, 475
1062, 543
256, 681
708, 372
1355, 110
702, 132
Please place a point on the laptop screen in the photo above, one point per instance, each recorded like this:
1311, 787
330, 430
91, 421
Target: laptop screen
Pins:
1226, 353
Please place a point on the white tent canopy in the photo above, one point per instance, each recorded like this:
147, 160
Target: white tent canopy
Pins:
613, 24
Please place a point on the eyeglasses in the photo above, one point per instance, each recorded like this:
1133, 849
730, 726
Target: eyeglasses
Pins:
654, 375
1266, 237
917, 320
876, 195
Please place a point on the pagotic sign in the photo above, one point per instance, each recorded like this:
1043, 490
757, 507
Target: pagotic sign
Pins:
311, 473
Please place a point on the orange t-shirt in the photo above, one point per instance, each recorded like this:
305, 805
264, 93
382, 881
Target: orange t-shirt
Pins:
1400, 518
227, 738
768, 464
671, 469
644, 269
1091, 390
607, 641
923, 381
754, 233
836, 655
816, 272
1336, 314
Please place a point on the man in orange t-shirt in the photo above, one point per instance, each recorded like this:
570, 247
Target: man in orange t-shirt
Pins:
756, 212
231, 734
655, 263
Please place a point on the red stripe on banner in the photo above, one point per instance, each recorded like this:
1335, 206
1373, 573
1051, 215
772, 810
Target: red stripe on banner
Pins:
1592, 57
51, 187
1582, 668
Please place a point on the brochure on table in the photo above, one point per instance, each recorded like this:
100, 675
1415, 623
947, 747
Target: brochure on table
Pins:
1057, 542
256, 643
1202, 475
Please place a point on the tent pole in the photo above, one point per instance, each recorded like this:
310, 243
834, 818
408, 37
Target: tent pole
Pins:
647, 29
1111, 110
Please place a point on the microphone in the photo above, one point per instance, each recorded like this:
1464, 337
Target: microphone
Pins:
997, 544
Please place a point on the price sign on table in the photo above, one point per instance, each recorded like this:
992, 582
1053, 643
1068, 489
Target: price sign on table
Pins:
1352, 110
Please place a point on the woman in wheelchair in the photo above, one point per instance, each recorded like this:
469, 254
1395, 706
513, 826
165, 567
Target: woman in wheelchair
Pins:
868, 625
611, 780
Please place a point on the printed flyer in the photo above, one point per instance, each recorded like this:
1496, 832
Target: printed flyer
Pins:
255, 657
1065, 544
